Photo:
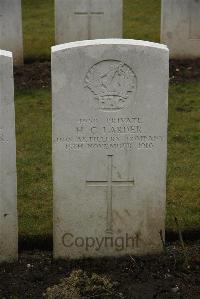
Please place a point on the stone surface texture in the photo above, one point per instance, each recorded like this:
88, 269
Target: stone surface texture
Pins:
11, 38
110, 103
8, 185
180, 27
78, 20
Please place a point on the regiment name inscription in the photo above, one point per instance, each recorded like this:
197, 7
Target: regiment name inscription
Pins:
127, 133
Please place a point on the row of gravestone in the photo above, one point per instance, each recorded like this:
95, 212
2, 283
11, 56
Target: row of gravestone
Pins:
109, 109
91, 19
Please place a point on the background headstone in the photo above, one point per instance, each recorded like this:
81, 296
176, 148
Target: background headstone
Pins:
180, 27
88, 19
8, 193
110, 101
11, 38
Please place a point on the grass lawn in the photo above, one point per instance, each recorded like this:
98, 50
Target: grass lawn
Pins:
38, 29
33, 130
183, 182
141, 21
33, 125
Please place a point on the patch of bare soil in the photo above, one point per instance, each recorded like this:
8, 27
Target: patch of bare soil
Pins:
184, 70
38, 74
37, 275
35, 75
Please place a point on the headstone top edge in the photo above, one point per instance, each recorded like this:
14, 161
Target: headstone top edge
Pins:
110, 41
6, 53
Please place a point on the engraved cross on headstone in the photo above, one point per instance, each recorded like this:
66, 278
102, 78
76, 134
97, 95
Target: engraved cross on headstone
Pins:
110, 183
89, 13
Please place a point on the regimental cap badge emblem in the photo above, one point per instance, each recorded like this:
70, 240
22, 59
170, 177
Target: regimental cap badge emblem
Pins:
112, 82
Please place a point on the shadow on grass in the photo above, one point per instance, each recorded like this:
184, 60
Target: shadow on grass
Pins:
33, 242
33, 59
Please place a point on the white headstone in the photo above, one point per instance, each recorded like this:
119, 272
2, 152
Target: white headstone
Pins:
88, 19
110, 101
11, 38
180, 27
8, 194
